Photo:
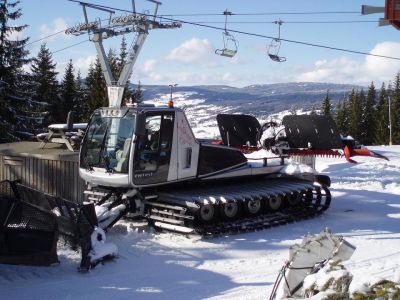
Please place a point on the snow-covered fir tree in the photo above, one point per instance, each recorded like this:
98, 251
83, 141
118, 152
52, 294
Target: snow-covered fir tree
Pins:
80, 104
382, 120
395, 109
68, 94
369, 116
45, 85
326, 105
15, 99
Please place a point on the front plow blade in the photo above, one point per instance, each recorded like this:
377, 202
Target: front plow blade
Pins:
32, 221
28, 234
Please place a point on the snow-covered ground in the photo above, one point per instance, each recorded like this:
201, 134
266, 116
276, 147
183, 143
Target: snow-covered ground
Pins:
365, 210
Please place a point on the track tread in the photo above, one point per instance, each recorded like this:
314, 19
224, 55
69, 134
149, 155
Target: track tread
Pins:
315, 200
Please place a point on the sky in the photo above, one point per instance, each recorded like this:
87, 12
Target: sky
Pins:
186, 56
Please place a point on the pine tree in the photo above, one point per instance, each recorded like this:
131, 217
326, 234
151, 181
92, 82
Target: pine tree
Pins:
355, 114
137, 94
313, 111
68, 93
341, 118
113, 62
80, 102
395, 109
382, 121
362, 127
14, 97
97, 90
45, 84
326, 105
123, 54
369, 116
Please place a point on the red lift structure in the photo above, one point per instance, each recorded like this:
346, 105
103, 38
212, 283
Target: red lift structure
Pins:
391, 11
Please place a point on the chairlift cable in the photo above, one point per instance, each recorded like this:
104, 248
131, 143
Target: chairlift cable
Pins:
264, 14
73, 45
287, 22
248, 33
234, 22
45, 37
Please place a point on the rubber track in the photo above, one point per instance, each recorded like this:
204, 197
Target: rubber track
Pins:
315, 200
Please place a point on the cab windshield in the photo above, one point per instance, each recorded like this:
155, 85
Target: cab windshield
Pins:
107, 143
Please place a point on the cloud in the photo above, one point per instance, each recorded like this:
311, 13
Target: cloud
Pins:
16, 35
148, 65
346, 70
384, 67
82, 64
340, 70
194, 51
228, 77
58, 25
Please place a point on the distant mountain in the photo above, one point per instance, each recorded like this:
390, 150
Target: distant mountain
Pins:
203, 103
257, 99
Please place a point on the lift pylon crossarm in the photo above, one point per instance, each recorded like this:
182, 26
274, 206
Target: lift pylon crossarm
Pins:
139, 24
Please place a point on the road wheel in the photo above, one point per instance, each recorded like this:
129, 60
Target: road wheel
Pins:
294, 199
275, 203
206, 213
253, 207
230, 210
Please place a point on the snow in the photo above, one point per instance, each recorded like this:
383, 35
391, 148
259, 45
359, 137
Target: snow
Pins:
365, 209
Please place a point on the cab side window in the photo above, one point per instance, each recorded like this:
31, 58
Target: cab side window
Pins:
148, 152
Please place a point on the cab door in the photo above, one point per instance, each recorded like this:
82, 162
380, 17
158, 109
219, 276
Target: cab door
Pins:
153, 149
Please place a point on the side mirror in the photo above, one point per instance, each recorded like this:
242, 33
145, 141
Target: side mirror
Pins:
140, 128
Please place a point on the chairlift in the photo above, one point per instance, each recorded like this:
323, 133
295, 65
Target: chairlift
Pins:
274, 47
230, 44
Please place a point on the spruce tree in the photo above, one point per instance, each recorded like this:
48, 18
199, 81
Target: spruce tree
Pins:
68, 93
313, 111
97, 90
341, 118
382, 121
395, 109
45, 84
326, 105
362, 130
369, 116
354, 114
80, 103
15, 100
137, 94
113, 62
123, 55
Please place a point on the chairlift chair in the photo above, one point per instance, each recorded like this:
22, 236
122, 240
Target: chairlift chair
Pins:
230, 44
275, 46
273, 51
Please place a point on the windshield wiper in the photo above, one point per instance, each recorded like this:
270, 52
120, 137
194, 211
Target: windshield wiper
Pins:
107, 163
103, 144
88, 165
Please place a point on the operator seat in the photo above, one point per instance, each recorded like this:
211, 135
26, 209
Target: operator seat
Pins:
122, 157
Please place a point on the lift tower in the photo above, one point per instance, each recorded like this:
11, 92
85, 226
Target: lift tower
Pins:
100, 30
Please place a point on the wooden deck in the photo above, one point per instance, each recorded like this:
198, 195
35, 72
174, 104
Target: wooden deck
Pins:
53, 169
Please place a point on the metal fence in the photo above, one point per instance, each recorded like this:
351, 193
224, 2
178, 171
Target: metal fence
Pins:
53, 176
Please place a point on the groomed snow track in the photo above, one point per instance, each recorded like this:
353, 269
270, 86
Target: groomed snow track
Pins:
238, 207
